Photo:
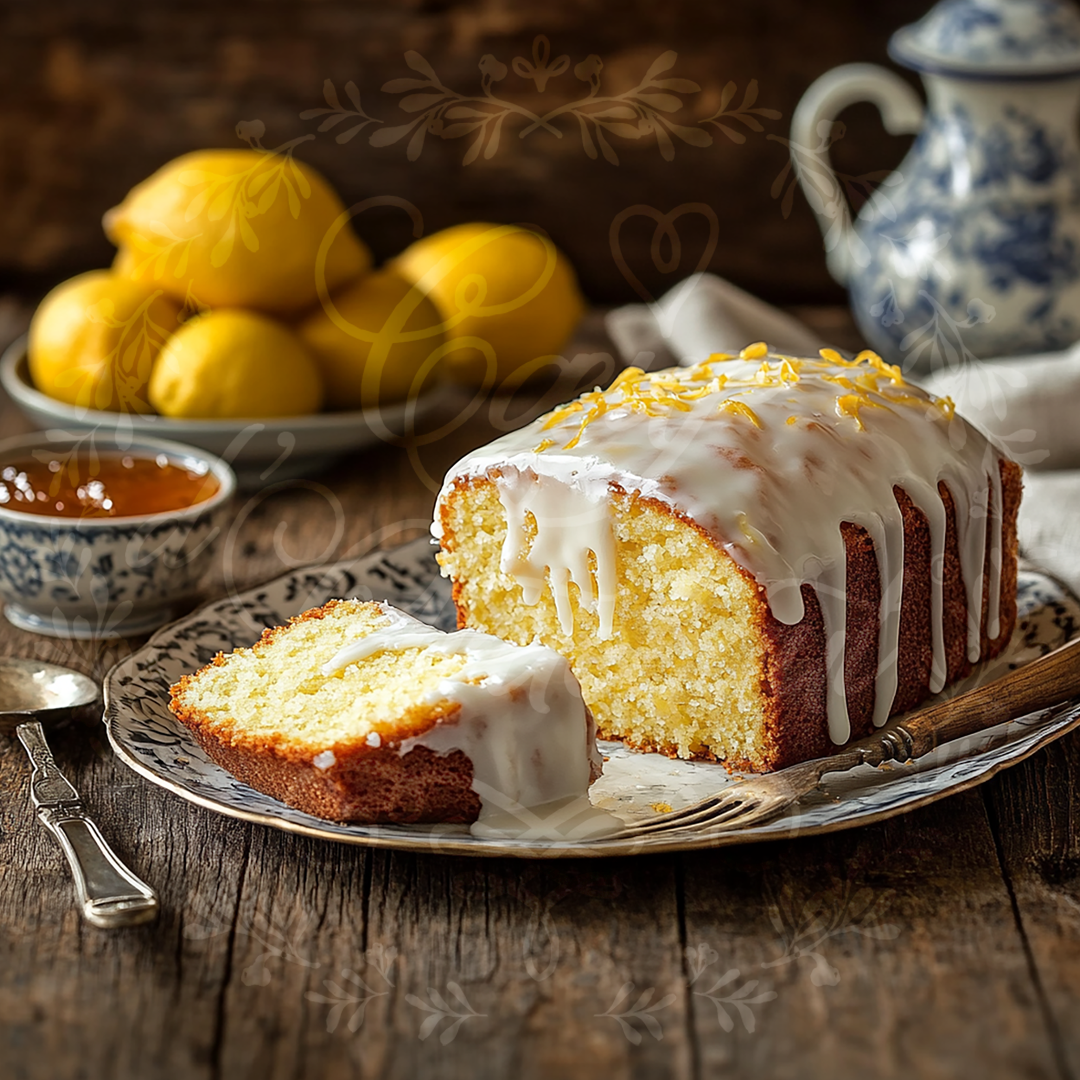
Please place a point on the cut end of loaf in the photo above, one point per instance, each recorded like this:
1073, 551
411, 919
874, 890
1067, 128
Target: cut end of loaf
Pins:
679, 597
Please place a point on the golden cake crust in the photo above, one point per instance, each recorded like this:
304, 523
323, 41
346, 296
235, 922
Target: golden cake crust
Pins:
793, 670
365, 783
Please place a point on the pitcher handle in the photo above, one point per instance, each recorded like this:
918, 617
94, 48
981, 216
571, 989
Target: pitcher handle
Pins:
902, 114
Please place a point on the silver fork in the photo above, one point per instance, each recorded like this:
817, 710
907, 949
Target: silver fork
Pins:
1045, 682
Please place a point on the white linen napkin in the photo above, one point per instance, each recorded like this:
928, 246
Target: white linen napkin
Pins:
1049, 525
1029, 404
703, 314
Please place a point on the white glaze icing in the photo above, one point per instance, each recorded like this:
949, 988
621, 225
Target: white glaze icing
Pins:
521, 721
769, 454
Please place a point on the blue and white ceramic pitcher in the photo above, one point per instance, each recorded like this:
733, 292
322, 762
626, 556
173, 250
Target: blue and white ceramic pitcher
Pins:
971, 249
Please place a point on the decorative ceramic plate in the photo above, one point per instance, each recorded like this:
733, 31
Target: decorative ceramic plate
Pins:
146, 736
260, 451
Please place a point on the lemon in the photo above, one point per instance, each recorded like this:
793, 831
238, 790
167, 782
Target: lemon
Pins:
236, 228
230, 363
508, 295
94, 339
377, 340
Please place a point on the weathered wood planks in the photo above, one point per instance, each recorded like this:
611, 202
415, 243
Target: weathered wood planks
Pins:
941, 944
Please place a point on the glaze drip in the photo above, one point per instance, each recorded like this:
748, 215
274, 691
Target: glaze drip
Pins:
557, 556
521, 721
769, 454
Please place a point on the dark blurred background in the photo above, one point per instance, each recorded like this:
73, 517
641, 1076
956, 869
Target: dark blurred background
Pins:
94, 97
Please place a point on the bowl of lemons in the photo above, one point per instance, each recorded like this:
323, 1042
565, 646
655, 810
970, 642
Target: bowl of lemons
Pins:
243, 315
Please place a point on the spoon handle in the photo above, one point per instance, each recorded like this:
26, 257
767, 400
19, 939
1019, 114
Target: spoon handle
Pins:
109, 893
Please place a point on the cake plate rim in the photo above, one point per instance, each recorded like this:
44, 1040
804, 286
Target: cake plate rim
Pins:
144, 743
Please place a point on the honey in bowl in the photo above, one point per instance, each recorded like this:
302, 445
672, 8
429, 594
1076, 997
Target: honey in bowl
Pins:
102, 485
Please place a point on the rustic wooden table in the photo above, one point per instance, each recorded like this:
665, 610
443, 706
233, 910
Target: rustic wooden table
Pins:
945, 943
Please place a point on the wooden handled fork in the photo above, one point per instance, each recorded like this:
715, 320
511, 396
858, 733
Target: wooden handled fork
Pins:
1045, 682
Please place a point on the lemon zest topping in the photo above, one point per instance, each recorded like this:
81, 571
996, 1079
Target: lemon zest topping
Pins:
561, 413
627, 375
866, 382
840, 380
544, 445
740, 408
599, 406
875, 361
851, 404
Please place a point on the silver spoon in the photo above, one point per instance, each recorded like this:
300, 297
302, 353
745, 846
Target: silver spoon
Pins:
31, 693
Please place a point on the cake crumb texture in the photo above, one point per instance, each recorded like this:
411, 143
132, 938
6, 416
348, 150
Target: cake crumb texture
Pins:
265, 713
683, 672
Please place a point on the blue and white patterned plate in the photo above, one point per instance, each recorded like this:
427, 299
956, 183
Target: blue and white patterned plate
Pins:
146, 736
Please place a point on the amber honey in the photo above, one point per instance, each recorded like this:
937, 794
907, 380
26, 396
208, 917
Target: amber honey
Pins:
101, 485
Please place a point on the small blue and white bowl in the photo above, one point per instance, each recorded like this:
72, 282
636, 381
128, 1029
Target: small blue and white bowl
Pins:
108, 577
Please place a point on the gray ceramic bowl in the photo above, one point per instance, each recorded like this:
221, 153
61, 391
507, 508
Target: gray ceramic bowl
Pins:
281, 448
107, 577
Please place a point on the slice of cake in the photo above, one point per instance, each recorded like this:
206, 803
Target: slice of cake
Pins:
751, 560
357, 712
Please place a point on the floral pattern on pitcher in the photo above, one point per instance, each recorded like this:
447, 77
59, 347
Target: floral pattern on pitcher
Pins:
981, 231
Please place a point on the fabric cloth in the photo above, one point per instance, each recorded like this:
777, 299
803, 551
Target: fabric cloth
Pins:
1028, 404
703, 314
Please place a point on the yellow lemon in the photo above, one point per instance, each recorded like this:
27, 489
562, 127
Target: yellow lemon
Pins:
508, 295
377, 340
230, 363
94, 339
236, 228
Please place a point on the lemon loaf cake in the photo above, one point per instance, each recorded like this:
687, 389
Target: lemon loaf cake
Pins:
355, 711
751, 560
